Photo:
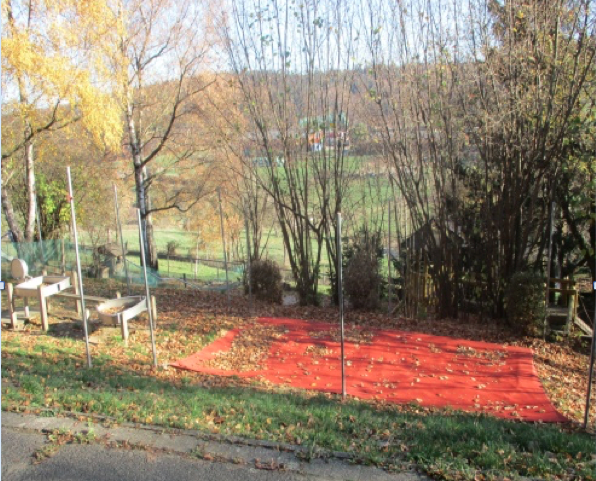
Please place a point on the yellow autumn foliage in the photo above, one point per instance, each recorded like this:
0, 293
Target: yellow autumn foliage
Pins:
63, 53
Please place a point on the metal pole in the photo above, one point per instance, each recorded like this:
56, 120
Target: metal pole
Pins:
340, 298
43, 255
80, 276
147, 295
121, 240
548, 262
389, 262
591, 370
593, 349
408, 276
248, 261
223, 240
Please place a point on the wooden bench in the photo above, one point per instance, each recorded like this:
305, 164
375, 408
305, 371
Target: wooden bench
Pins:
72, 295
76, 296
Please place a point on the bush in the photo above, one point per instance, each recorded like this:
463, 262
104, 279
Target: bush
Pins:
265, 280
362, 281
524, 302
172, 247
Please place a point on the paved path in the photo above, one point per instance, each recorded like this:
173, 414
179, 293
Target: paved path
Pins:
151, 454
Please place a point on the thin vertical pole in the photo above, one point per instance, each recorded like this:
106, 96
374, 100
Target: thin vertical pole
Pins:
389, 261
147, 295
408, 276
548, 262
593, 347
248, 261
63, 256
223, 240
340, 297
38, 215
121, 240
78, 259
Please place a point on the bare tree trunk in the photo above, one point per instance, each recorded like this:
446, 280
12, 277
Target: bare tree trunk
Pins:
31, 197
7, 206
154, 115
143, 205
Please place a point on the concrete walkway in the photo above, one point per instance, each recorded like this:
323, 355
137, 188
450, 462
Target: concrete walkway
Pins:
146, 453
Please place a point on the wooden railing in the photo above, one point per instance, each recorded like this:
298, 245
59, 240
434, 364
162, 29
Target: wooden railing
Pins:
562, 300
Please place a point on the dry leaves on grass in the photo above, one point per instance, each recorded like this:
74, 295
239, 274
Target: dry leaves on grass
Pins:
188, 320
354, 334
249, 349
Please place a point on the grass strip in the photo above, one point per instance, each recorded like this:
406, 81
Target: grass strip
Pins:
446, 445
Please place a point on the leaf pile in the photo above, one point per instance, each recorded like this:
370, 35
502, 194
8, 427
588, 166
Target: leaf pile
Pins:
249, 349
357, 335
188, 320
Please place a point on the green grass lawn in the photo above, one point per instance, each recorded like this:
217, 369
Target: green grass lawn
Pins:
174, 268
447, 445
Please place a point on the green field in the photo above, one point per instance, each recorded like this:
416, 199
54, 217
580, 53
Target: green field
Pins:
366, 198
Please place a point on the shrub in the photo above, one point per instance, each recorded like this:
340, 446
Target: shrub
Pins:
362, 282
172, 247
265, 280
524, 302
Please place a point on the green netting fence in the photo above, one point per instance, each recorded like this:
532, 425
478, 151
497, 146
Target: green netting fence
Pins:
107, 262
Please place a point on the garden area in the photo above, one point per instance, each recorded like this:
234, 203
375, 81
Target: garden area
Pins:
454, 399
358, 227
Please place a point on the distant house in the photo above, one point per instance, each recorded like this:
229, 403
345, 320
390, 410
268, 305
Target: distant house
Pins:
321, 140
315, 141
327, 132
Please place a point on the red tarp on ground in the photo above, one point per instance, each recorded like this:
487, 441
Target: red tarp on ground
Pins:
394, 366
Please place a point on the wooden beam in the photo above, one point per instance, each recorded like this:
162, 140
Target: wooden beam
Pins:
43, 309
583, 326
11, 307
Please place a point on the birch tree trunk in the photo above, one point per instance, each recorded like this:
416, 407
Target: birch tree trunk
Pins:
8, 208
140, 176
31, 192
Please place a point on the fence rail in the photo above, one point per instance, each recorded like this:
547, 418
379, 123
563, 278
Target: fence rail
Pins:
58, 255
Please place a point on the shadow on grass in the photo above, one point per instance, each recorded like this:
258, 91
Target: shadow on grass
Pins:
438, 442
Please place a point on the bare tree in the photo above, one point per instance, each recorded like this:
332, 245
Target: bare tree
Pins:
164, 51
414, 80
294, 69
474, 110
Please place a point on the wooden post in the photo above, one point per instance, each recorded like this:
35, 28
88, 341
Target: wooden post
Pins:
565, 285
11, 307
44, 272
26, 313
184, 276
43, 311
74, 281
124, 329
570, 312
